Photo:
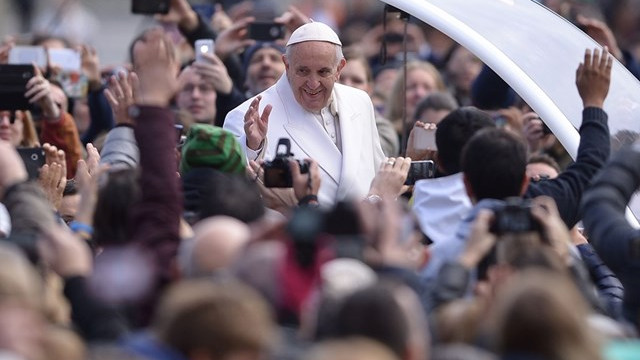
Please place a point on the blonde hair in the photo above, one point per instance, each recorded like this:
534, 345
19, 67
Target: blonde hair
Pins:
396, 96
29, 134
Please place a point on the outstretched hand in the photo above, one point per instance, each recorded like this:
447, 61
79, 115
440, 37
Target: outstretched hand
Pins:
121, 93
154, 60
255, 124
53, 175
39, 92
593, 77
91, 66
180, 13
234, 39
389, 181
215, 73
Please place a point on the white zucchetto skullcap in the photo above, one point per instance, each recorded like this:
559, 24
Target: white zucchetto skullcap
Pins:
314, 31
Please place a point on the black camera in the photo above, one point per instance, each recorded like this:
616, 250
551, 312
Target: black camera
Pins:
514, 217
266, 31
277, 173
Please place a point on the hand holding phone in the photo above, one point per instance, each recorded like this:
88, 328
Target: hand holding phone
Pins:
425, 138
419, 170
33, 159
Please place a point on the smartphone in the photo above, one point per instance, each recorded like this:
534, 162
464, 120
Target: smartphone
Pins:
149, 7
66, 59
33, 159
424, 139
266, 31
419, 170
203, 46
13, 85
28, 55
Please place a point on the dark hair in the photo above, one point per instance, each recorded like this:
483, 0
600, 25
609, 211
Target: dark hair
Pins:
374, 313
494, 161
544, 159
454, 131
209, 192
440, 100
111, 218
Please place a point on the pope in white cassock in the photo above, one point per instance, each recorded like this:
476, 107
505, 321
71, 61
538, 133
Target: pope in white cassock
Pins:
325, 121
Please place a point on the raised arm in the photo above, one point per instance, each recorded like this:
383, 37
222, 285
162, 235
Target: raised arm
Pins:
593, 77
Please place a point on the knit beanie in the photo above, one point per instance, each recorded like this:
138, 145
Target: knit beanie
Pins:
213, 147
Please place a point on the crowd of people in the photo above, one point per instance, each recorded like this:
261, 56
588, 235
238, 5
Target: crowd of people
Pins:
260, 201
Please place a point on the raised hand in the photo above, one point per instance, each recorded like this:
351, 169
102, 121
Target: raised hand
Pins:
154, 60
480, 241
93, 158
544, 210
256, 125
220, 21
91, 66
214, 72
180, 13
53, 175
533, 131
601, 33
5, 48
389, 181
39, 92
414, 150
593, 77
233, 39
292, 19
121, 93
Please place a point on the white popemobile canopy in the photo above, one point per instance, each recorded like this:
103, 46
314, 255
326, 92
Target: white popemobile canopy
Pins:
536, 52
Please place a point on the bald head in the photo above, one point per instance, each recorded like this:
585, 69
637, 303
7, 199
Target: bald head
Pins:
217, 242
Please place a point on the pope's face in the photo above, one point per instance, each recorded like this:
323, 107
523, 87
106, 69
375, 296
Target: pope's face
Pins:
312, 70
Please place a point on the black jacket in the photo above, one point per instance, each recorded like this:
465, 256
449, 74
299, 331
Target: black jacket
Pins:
615, 240
593, 153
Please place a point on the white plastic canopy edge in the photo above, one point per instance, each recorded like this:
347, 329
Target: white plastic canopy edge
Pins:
504, 67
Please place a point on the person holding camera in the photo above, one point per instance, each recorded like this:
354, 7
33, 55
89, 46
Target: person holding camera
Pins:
328, 122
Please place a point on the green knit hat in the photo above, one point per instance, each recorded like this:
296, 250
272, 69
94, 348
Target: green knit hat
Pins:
211, 146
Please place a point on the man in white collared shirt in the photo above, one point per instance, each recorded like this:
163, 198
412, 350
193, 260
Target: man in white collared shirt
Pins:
328, 122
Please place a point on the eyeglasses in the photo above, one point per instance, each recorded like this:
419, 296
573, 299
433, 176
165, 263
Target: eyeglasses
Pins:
10, 115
